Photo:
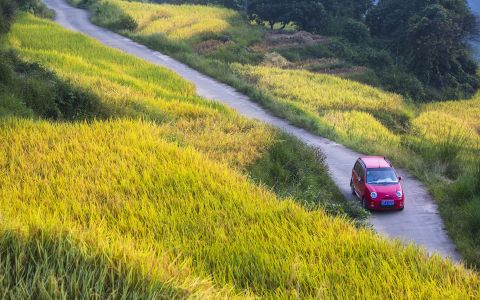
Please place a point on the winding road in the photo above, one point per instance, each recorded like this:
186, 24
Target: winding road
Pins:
420, 222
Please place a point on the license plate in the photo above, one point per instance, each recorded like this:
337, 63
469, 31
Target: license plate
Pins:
388, 203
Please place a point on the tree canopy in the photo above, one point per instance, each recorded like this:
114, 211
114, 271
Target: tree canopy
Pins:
426, 39
313, 15
7, 13
429, 38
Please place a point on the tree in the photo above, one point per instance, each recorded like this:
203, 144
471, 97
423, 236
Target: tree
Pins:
317, 16
235, 4
271, 11
7, 13
355, 9
356, 32
308, 15
429, 38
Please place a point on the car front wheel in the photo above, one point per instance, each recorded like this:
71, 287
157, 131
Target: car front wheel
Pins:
351, 187
364, 203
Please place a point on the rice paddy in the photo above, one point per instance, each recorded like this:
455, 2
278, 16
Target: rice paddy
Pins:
144, 205
177, 22
129, 87
173, 223
439, 120
437, 142
318, 92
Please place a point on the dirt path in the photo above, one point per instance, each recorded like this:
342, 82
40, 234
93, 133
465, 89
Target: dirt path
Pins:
419, 222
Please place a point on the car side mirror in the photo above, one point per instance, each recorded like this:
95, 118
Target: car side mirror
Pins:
400, 178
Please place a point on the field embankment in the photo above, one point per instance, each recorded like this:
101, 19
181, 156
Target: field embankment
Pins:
141, 206
435, 142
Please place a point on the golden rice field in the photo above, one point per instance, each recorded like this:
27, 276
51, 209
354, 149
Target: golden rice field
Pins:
186, 226
353, 124
437, 142
351, 109
439, 120
186, 27
118, 209
358, 115
318, 92
178, 22
129, 86
355, 111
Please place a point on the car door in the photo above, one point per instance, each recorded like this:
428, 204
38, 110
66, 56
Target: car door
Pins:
361, 181
356, 176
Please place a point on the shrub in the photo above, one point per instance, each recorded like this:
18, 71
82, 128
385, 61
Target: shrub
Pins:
7, 13
356, 32
37, 8
323, 50
111, 16
403, 83
466, 186
472, 218
292, 176
5, 71
442, 155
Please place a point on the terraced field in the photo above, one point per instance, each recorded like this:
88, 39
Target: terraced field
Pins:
140, 205
439, 120
440, 149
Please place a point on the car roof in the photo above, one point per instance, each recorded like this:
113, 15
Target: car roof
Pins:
373, 162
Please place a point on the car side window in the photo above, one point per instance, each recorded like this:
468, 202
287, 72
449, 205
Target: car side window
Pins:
361, 172
357, 168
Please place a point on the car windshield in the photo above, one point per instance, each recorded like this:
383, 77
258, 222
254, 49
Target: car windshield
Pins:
381, 176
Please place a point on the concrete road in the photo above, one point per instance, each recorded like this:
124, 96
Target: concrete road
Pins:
419, 222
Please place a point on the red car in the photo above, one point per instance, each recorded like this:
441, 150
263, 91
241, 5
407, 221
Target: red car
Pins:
375, 182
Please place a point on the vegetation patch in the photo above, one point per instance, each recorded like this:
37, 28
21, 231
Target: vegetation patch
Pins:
38, 91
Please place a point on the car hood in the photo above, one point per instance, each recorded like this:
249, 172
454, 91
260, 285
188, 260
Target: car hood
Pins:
385, 190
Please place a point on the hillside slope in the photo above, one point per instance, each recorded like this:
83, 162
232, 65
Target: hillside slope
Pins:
129, 87
165, 221
442, 150
144, 205
117, 208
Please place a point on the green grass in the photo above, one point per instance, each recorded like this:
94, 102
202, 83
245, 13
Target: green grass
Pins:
29, 90
451, 145
160, 200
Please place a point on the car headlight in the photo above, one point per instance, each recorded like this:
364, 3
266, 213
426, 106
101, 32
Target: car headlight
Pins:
373, 195
399, 194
